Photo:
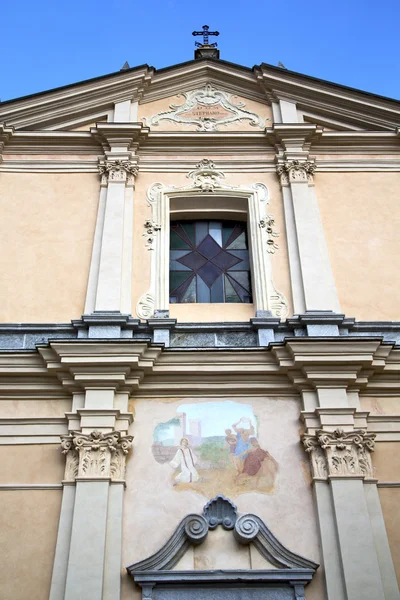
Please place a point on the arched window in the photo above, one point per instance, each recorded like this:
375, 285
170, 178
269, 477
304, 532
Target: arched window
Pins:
209, 262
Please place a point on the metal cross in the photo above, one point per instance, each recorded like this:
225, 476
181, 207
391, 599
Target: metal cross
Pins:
205, 33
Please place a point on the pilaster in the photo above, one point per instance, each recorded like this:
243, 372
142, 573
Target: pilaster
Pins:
100, 375
312, 278
329, 372
110, 279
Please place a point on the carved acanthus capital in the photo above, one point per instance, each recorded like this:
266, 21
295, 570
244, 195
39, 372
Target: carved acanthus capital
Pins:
340, 453
118, 171
296, 171
96, 454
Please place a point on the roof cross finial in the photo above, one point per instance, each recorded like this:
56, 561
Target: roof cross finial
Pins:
205, 33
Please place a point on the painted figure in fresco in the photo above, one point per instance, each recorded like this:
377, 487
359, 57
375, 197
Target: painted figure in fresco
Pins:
185, 459
259, 463
242, 442
231, 440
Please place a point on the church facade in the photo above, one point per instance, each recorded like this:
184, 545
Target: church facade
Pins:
200, 337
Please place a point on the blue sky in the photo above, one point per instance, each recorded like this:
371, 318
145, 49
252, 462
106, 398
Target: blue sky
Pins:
45, 44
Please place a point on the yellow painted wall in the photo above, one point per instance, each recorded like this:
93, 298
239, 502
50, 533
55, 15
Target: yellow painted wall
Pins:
361, 219
46, 237
31, 463
386, 461
28, 534
390, 502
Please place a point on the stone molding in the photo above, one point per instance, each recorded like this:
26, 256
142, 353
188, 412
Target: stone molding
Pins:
118, 171
207, 179
340, 454
95, 455
296, 171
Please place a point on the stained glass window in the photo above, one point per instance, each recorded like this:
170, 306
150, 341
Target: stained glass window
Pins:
209, 262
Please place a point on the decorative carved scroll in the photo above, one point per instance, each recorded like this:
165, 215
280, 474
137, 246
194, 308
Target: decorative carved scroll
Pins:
340, 453
95, 454
209, 109
268, 225
151, 230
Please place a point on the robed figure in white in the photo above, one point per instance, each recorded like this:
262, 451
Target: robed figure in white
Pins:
185, 459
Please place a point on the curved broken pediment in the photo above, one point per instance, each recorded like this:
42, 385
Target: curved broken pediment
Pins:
247, 528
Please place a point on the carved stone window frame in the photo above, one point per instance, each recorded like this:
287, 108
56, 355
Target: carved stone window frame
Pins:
207, 183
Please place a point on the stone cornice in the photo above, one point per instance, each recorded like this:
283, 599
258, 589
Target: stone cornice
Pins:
59, 105
65, 366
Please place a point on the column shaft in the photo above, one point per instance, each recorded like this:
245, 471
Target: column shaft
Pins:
87, 551
60, 566
359, 559
318, 282
110, 270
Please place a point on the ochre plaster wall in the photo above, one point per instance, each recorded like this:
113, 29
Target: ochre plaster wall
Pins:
361, 219
31, 463
46, 238
206, 312
28, 534
19, 409
381, 406
153, 506
386, 461
150, 109
390, 502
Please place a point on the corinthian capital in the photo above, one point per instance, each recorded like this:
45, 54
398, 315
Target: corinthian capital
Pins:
118, 170
95, 454
340, 453
293, 171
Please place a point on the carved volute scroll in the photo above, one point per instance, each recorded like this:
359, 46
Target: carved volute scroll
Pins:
340, 453
206, 179
95, 455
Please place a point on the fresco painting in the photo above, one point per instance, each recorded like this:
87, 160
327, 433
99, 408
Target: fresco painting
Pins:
213, 447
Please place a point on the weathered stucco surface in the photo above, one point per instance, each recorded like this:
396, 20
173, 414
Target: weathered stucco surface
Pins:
386, 461
390, 502
153, 504
31, 463
46, 238
28, 534
361, 222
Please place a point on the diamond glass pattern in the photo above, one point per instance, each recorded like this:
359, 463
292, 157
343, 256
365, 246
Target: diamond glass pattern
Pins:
209, 262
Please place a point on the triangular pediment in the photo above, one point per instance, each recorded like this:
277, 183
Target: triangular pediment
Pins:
78, 106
